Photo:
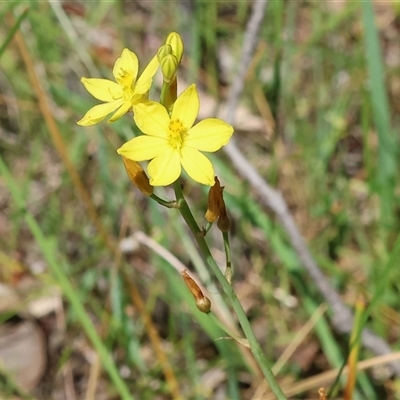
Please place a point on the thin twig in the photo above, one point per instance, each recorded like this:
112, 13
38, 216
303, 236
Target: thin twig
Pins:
325, 378
342, 320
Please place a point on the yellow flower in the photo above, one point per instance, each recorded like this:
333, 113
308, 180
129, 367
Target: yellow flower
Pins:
172, 141
120, 95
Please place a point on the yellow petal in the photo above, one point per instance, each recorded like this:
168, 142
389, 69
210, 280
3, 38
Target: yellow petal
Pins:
99, 112
209, 135
198, 166
143, 148
164, 169
146, 78
126, 68
151, 118
121, 111
186, 107
139, 98
102, 89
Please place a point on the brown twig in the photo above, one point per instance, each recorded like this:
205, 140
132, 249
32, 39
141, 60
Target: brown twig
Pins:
342, 320
325, 378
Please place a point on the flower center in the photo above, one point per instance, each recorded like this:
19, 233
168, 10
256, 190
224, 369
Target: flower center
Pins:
127, 82
176, 133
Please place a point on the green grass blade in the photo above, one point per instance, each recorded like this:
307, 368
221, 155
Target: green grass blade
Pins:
57, 268
387, 151
12, 30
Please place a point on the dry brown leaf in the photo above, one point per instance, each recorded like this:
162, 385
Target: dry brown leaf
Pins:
23, 353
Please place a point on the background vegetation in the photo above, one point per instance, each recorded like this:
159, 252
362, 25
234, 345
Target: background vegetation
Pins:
89, 267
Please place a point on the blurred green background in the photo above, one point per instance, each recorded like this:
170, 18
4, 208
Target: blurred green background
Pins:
84, 264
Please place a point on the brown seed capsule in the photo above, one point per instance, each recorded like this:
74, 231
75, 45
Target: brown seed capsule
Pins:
137, 176
203, 303
214, 201
223, 223
216, 210
322, 394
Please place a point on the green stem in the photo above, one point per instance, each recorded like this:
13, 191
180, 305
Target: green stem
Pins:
165, 203
236, 305
242, 341
57, 268
227, 247
163, 95
11, 31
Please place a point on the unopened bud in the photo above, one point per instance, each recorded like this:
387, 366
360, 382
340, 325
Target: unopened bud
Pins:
175, 41
137, 176
203, 303
164, 51
169, 66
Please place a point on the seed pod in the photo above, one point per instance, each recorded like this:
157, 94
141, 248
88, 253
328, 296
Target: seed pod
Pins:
203, 303
223, 223
214, 201
137, 176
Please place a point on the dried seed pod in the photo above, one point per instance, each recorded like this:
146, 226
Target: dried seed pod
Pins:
214, 201
137, 176
203, 303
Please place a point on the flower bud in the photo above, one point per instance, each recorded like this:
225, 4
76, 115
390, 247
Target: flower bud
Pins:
137, 176
203, 303
169, 65
175, 41
164, 51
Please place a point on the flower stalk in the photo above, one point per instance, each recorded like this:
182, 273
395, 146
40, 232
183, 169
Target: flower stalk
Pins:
230, 293
172, 140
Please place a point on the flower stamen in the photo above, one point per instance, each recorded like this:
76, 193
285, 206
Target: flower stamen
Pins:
125, 78
176, 133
